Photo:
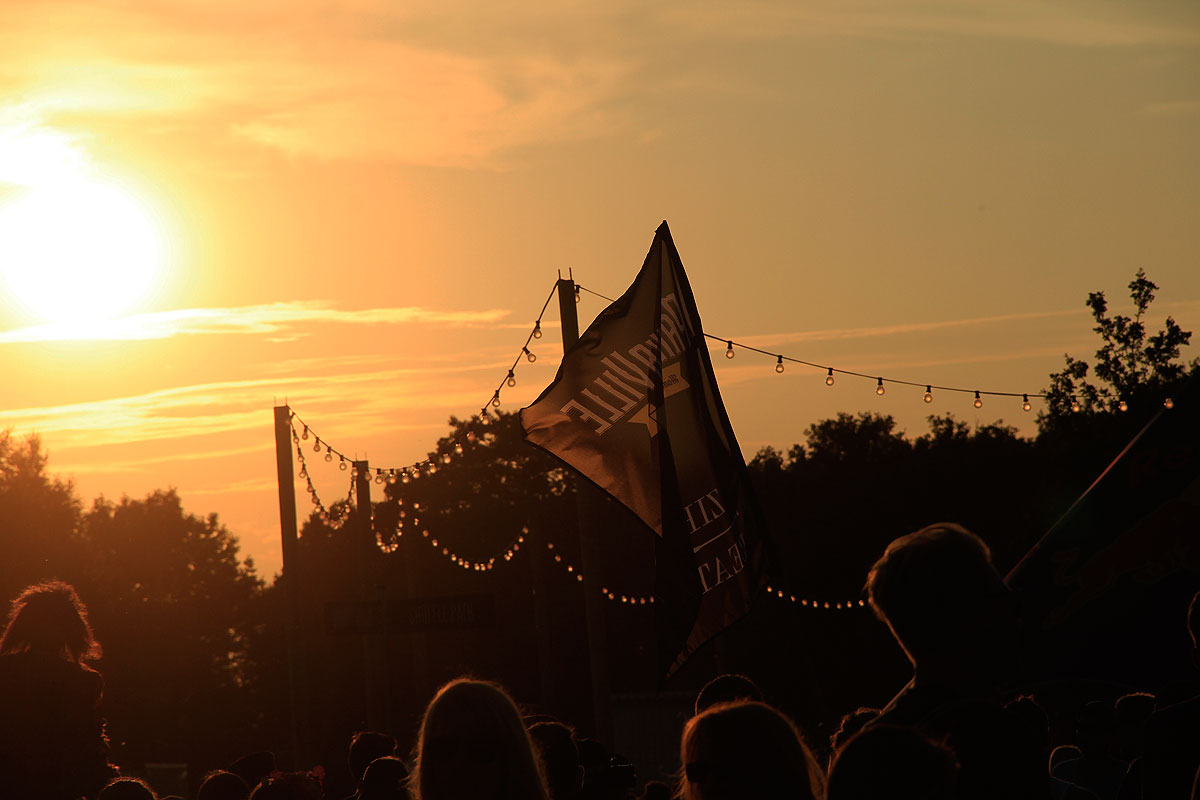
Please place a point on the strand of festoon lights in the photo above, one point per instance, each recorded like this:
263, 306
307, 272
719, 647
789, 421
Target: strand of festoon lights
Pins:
880, 382
321, 510
825, 605
510, 380
607, 593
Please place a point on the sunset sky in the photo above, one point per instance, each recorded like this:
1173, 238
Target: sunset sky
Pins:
360, 207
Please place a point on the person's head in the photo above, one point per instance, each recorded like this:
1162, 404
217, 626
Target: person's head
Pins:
288, 786
1094, 729
726, 688
127, 789
745, 750
384, 779
940, 595
50, 618
851, 724
656, 790
472, 743
1131, 712
254, 767
1062, 754
365, 747
886, 761
222, 785
1035, 717
560, 758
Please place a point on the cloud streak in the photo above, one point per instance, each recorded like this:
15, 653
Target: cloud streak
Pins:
280, 320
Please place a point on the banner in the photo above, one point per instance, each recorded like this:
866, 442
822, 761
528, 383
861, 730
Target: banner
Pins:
635, 409
1105, 592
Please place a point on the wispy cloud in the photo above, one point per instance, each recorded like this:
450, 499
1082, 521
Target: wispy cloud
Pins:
1178, 108
279, 320
877, 331
1076, 24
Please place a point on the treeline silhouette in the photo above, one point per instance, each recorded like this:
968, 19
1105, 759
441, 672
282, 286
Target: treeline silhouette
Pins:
197, 663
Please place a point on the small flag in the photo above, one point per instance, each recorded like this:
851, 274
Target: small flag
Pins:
635, 409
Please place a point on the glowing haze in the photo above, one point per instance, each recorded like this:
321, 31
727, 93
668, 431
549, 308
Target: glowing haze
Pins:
360, 207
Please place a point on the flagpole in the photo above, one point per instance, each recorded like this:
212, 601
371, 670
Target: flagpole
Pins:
291, 580
588, 506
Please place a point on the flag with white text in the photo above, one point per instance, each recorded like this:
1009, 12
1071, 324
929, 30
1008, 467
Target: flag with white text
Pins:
635, 408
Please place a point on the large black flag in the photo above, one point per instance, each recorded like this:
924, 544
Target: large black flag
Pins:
635, 408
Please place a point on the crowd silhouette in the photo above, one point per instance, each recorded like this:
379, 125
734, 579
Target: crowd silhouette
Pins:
967, 725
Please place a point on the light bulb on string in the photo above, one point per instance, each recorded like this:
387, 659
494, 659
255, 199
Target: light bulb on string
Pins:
1123, 406
458, 448
829, 377
879, 390
928, 394
305, 434
496, 399
1168, 403
576, 293
342, 463
512, 379
445, 458
537, 329
1074, 404
978, 400
1025, 404
317, 445
779, 364
729, 349
379, 476
529, 355
328, 454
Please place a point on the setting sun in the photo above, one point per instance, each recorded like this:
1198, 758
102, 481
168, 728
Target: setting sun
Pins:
78, 252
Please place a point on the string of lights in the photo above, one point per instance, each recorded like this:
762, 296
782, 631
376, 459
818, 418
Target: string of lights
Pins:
509, 553
880, 381
510, 380
321, 510
824, 605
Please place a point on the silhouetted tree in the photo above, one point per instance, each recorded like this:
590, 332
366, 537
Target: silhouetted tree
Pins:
172, 604
1129, 366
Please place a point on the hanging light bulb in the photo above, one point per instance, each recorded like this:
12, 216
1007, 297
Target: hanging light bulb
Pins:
342, 463
729, 349
879, 386
512, 379
1074, 404
470, 437
458, 447
432, 468
328, 454
829, 377
317, 445
577, 293
529, 354
1168, 403
537, 329
978, 400
1123, 406
305, 434
496, 399
379, 476
779, 364
445, 458
1025, 404
484, 419
928, 394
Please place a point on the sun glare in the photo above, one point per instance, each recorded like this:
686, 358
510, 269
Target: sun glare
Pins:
76, 251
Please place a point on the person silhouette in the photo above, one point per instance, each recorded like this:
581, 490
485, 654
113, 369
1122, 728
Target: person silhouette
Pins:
52, 740
950, 612
473, 745
746, 750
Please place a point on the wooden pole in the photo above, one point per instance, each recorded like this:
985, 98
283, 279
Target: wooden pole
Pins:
289, 537
590, 507
365, 537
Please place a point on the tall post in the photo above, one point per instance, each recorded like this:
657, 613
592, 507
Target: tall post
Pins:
590, 520
365, 536
291, 579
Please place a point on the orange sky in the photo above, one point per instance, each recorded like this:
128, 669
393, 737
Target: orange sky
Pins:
361, 206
